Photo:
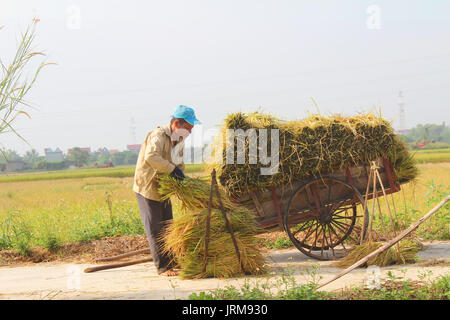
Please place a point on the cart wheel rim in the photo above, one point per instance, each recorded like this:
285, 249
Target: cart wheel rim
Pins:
328, 218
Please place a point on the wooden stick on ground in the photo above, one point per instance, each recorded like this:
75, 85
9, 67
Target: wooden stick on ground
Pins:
124, 255
116, 265
389, 244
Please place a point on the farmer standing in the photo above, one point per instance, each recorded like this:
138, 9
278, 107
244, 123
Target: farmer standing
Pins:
161, 153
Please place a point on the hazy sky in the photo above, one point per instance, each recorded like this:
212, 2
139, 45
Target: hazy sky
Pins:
124, 60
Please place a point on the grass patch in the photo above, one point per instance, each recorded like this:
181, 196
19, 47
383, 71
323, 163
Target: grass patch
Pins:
16, 233
415, 200
48, 215
281, 242
286, 288
283, 287
431, 156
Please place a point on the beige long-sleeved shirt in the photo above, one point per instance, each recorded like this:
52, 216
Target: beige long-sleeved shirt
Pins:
155, 158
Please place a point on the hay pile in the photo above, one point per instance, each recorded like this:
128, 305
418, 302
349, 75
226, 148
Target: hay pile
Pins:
313, 146
405, 252
185, 236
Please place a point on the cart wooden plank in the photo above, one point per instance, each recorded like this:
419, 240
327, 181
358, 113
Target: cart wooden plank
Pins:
265, 206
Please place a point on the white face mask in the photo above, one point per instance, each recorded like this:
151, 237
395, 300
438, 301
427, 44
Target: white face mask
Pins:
179, 133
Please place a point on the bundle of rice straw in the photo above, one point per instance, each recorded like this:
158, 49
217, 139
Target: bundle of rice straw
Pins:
405, 252
313, 146
185, 236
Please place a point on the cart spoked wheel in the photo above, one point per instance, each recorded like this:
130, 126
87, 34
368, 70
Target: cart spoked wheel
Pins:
321, 214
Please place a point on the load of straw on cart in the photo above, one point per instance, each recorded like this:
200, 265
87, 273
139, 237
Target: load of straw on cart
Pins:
317, 194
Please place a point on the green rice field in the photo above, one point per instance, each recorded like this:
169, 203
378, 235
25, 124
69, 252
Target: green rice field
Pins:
116, 172
421, 156
431, 156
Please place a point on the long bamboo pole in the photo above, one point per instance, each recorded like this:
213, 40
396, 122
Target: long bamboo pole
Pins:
389, 244
116, 265
124, 255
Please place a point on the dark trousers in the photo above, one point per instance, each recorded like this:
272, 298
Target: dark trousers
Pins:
155, 216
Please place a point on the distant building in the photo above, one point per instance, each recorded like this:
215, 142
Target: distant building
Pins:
134, 147
88, 149
112, 151
102, 151
53, 155
15, 165
403, 132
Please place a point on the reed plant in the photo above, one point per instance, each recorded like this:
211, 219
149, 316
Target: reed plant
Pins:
14, 84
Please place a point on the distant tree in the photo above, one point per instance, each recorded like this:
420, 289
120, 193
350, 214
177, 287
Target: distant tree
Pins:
131, 157
79, 157
9, 155
404, 138
93, 157
433, 132
104, 158
118, 158
31, 156
445, 136
40, 165
426, 132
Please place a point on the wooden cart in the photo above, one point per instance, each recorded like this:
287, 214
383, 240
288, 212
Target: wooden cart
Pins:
319, 214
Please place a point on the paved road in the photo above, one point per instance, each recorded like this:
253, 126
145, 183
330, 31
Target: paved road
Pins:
67, 281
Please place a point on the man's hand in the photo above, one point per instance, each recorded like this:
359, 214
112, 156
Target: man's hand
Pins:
177, 174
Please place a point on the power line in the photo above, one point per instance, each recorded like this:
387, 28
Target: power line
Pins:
259, 77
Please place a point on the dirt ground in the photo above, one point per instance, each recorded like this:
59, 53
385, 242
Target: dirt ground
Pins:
59, 279
77, 252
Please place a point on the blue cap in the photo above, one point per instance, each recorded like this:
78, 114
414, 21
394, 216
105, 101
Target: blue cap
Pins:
186, 113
